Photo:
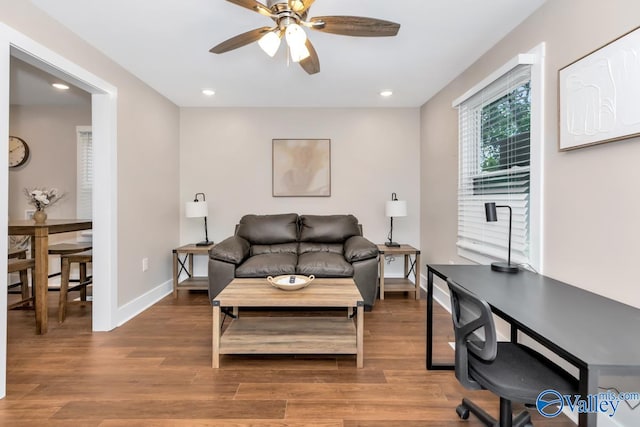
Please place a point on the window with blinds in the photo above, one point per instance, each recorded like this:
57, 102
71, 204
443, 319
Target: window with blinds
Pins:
84, 181
494, 137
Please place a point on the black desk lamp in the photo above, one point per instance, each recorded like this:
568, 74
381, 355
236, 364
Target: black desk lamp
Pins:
492, 216
199, 209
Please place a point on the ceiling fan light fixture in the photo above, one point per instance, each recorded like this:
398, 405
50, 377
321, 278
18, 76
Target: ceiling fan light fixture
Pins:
296, 5
290, 17
270, 43
298, 53
295, 36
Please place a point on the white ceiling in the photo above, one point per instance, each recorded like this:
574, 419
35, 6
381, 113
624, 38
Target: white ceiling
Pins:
32, 86
166, 44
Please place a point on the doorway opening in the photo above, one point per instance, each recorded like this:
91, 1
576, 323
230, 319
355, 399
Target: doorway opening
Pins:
44, 114
104, 199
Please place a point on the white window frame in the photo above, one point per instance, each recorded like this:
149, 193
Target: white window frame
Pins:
535, 58
84, 236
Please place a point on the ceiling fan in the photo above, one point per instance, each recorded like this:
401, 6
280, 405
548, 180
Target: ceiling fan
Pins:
290, 16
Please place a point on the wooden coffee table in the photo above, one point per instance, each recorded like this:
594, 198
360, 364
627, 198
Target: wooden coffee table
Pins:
290, 335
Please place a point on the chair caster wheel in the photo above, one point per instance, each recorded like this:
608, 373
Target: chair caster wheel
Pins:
462, 412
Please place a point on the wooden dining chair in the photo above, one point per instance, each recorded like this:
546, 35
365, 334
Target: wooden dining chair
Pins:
82, 258
19, 263
66, 248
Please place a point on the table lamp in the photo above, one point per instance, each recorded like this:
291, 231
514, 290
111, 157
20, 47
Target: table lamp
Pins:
394, 208
492, 216
199, 209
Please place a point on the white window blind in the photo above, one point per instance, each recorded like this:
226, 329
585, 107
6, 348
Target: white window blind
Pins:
84, 189
494, 137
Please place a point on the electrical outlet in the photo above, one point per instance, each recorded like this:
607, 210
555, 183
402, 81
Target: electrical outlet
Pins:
145, 264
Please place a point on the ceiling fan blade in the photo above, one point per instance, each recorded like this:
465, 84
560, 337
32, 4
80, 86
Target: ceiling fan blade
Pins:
240, 40
355, 26
300, 6
311, 64
253, 5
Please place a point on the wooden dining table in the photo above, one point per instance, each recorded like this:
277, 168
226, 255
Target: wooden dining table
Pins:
40, 252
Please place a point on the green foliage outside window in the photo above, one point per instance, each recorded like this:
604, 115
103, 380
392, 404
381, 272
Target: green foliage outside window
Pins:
505, 125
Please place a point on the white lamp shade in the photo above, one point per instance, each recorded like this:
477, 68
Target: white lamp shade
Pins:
396, 208
298, 53
270, 43
196, 209
295, 35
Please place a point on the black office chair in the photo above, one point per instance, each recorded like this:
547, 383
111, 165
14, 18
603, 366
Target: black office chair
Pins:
510, 370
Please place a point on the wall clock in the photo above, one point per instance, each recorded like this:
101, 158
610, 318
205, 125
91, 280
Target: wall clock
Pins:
18, 152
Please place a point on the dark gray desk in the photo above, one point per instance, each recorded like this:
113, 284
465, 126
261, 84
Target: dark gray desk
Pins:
593, 333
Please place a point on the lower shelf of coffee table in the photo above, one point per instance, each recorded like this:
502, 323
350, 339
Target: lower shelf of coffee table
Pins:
289, 335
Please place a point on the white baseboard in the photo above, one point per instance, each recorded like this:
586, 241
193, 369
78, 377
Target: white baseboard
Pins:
140, 304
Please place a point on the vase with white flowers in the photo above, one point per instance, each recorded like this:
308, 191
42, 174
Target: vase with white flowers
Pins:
42, 198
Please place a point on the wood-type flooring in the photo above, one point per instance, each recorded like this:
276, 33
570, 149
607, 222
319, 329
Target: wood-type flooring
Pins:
155, 370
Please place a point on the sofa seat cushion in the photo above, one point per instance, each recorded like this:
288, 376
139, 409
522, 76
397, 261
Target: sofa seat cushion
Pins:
334, 248
282, 248
324, 264
269, 264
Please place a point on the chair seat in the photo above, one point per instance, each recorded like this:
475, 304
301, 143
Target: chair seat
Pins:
81, 257
18, 264
63, 249
69, 248
505, 377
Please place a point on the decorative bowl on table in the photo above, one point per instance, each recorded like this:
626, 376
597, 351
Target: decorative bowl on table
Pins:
290, 282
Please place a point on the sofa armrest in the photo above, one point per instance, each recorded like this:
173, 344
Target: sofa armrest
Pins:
233, 249
357, 248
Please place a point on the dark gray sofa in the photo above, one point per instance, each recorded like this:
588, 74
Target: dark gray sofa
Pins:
272, 245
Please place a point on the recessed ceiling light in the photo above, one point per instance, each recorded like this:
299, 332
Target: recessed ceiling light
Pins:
386, 93
60, 86
208, 92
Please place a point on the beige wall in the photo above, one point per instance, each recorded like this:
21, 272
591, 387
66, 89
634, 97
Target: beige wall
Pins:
226, 153
591, 208
50, 133
147, 152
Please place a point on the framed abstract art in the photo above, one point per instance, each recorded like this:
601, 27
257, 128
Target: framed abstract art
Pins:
301, 168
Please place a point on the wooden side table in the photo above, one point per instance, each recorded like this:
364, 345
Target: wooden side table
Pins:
401, 284
185, 265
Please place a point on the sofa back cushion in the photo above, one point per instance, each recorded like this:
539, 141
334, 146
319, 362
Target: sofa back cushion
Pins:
328, 228
268, 229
